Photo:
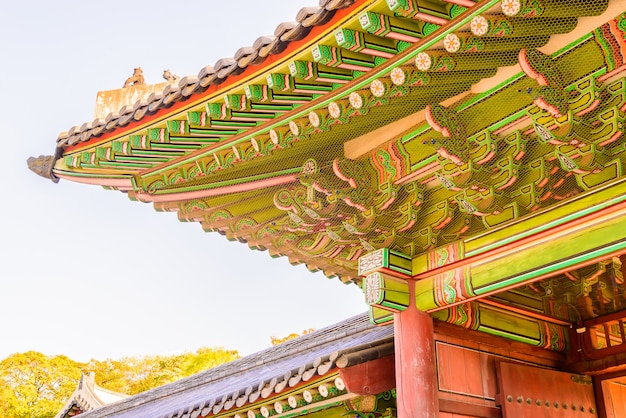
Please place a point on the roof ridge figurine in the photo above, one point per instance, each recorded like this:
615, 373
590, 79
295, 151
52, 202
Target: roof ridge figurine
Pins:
136, 79
170, 77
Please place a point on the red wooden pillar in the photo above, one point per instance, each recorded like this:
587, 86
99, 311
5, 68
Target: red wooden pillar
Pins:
416, 369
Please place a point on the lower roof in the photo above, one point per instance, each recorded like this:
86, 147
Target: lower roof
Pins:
246, 380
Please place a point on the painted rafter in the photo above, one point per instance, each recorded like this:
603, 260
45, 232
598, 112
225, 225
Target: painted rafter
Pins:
553, 132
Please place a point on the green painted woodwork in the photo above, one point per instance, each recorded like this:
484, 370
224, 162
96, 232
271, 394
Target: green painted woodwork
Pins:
357, 41
386, 292
522, 265
505, 324
394, 28
392, 145
409, 8
575, 209
336, 57
385, 259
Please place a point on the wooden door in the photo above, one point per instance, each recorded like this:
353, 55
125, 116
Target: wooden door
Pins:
614, 391
531, 392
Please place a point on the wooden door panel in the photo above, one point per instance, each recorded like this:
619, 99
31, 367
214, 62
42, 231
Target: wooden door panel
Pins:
465, 371
532, 392
615, 398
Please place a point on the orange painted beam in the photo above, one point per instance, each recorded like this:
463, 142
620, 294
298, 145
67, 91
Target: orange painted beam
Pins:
370, 378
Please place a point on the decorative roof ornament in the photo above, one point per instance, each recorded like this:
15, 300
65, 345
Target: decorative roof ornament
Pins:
398, 77
136, 79
511, 7
334, 110
377, 88
447, 122
274, 136
42, 166
451, 43
294, 128
356, 100
550, 94
169, 77
314, 119
479, 25
423, 62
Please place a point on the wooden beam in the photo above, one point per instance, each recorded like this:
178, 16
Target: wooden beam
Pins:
469, 409
370, 378
364, 144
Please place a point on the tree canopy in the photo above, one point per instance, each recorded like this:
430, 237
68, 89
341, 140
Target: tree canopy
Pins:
34, 385
279, 340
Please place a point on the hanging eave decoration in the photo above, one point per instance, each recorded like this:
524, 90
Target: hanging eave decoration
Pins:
377, 125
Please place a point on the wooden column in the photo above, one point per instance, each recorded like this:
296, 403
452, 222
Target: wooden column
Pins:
416, 369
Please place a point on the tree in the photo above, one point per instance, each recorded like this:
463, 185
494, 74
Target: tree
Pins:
132, 375
276, 340
33, 385
206, 358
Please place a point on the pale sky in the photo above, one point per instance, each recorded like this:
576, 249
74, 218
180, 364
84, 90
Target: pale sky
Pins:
88, 273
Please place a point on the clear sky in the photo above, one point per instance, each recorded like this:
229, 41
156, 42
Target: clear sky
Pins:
88, 273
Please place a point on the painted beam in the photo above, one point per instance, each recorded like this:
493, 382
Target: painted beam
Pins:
571, 235
370, 378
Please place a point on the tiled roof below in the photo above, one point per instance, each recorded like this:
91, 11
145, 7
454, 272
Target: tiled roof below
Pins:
254, 377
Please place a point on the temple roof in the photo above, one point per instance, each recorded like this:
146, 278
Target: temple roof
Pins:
256, 378
87, 397
461, 144
348, 131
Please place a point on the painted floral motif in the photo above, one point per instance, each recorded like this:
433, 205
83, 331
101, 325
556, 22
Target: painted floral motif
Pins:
274, 136
309, 167
294, 128
339, 384
397, 76
334, 110
356, 101
372, 288
236, 153
423, 61
308, 396
314, 119
451, 42
377, 88
511, 7
255, 144
479, 26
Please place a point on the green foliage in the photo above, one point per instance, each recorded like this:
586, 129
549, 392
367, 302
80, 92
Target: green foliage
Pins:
132, 375
33, 385
276, 340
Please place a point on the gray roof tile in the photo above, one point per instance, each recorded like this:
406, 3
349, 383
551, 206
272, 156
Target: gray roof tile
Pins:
259, 375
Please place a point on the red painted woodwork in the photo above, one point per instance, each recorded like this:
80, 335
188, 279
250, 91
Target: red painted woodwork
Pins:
416, 373
449, 415
614, 391
466, 372
450, 408
370, 378
532, 392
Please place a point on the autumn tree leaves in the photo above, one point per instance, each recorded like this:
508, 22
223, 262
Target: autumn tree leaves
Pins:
33, 385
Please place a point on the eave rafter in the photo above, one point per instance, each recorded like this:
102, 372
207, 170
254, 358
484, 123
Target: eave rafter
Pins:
552, 132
